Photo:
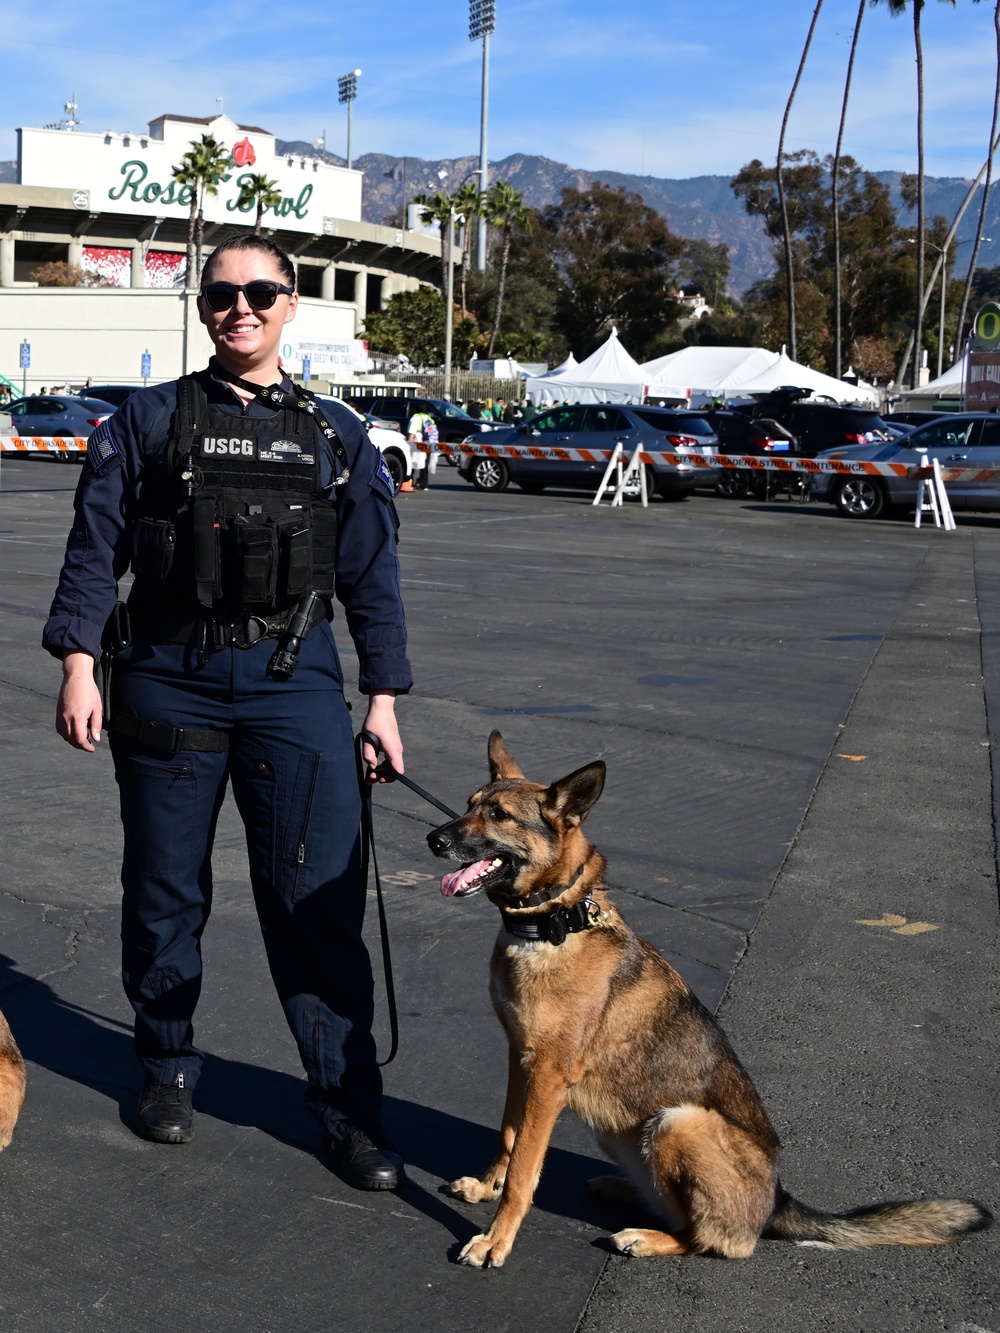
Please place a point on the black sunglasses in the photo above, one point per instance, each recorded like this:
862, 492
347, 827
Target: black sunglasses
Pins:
261, 295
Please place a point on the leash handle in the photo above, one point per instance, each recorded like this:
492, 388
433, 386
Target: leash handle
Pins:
386, 770
368, 852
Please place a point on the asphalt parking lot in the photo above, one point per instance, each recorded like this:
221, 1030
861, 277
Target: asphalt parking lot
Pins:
797, 713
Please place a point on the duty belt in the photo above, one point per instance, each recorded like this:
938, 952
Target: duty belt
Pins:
166, 738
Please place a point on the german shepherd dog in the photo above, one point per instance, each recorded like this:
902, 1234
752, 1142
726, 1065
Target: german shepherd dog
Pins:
12, 1083
596, 1020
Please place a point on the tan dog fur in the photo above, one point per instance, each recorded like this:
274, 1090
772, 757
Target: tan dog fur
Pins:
602, 1024
12, 1083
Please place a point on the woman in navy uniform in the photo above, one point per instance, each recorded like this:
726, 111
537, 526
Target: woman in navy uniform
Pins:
237, 506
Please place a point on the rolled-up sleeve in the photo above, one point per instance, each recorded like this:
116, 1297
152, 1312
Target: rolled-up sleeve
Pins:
368, 575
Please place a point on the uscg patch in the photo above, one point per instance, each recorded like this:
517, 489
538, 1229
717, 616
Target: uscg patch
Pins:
246, 447
102, 448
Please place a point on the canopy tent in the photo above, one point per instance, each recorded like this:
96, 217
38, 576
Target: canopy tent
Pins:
699, 374
608, 375
785, 373
564, 368
950, 384
704, 374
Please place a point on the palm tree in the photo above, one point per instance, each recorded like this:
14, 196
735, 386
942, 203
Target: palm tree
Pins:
897, 7
789, 278
980, 225
258, 189
201, 169
438, 208
837, 336
504, 208
466, 201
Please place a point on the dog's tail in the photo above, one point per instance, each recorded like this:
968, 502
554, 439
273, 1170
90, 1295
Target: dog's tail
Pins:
12, 1083
921, 1222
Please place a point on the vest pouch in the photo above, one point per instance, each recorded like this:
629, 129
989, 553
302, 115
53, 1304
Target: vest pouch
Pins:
153, 549
258, 555
207, 549
295, 557
324, 547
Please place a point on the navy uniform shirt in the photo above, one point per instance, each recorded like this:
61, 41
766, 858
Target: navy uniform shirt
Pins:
99, 546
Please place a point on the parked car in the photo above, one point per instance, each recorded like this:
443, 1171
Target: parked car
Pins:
738, 434
818, 426
597, 427
908, 418
964, 440
453, 424
396, 449
57, 415
115, 394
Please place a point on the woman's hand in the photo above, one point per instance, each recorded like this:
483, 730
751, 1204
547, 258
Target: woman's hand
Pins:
79, 713
381, 722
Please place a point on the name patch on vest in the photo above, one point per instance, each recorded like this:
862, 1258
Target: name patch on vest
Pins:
267, 451
284, 451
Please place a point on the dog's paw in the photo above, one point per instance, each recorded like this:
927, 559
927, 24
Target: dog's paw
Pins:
640, 1243
473, 1190
484, 1252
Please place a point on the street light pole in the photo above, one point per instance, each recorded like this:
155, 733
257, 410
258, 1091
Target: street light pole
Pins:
347, 91
944, 287
482, 21
449, 303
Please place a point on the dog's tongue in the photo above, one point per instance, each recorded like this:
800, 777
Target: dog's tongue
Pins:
452, 882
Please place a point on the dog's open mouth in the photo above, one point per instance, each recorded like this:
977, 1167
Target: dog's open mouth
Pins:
473, 877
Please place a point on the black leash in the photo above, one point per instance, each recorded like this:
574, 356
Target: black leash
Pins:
386, 770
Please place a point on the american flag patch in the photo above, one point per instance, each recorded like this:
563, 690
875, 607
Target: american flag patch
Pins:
101, 447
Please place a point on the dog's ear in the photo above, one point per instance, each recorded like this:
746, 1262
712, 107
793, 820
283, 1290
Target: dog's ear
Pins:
501, 763
572, 797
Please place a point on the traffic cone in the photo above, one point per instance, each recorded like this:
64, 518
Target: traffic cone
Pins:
407, 485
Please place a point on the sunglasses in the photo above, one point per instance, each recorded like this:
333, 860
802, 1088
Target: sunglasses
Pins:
261, 295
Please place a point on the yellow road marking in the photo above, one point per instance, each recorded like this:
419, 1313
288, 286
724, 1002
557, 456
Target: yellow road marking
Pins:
854, 758
899, 925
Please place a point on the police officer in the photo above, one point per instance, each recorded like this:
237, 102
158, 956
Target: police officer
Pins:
241, 510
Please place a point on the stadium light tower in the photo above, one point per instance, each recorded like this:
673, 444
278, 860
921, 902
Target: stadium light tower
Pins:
482, 21
347, 91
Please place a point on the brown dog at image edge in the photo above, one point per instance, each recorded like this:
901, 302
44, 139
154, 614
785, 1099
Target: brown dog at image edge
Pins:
12, 1083
597, 1021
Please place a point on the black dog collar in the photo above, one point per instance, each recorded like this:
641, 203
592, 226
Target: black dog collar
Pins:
553, 927
544, 895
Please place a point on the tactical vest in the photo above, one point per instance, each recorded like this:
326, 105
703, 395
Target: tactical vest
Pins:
233, 520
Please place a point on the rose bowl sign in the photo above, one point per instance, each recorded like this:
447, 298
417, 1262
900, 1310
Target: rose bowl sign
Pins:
133, 173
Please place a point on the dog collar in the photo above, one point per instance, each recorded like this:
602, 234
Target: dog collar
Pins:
554, 926
544, 895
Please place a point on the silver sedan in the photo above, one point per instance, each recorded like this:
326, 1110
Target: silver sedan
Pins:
968, 440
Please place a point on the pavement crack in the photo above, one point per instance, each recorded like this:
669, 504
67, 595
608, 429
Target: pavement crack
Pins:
28, 689
679, 907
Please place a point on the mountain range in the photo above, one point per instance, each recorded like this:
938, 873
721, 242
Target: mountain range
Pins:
700, 207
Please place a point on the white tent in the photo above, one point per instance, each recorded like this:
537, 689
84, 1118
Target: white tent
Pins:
700, 374
786, 373
950, 384
706, 373
568, 365
608, 375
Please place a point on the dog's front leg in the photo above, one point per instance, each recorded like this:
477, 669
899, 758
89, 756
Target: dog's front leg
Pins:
544, 1097
479, 1189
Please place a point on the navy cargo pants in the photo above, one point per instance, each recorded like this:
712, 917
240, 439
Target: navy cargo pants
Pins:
291, 765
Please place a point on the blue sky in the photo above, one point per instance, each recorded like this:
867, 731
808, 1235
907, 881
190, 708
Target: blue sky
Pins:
675, 88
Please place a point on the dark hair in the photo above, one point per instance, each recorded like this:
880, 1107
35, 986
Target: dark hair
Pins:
251, 240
